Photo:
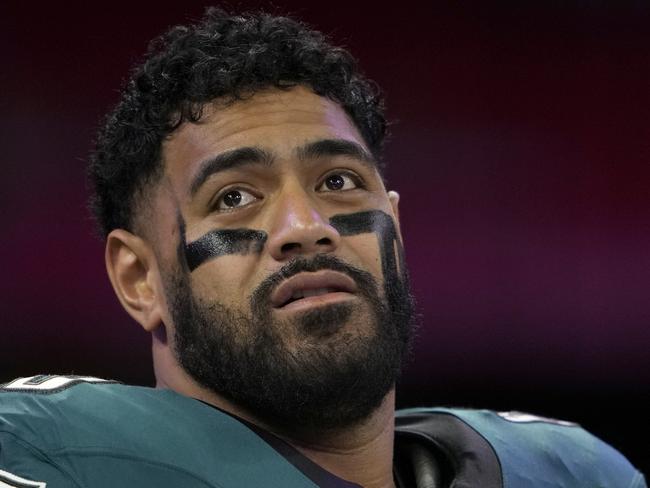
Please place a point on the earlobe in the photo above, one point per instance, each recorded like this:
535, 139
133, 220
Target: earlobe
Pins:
131, 265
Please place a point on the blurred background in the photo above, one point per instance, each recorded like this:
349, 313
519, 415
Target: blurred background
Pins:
520, 146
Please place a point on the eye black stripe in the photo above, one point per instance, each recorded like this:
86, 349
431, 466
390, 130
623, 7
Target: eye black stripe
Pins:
382, 224
222, 242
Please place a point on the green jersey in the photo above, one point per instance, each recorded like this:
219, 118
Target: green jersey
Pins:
66, 431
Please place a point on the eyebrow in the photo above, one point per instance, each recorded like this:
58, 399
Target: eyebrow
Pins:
229, 160
252, 155
335, 147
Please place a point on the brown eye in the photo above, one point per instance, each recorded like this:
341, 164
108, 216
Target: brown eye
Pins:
234, 199
334, 182
339, 182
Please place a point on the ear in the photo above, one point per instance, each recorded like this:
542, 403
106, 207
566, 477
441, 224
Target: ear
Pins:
393, 198
132, 269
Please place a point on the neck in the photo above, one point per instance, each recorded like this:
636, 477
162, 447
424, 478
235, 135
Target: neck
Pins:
361, 454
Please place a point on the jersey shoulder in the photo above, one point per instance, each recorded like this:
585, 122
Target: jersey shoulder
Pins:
103, 433
56, 411
529, 450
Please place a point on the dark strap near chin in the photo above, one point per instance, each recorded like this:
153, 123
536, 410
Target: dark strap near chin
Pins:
447, 451
417, 467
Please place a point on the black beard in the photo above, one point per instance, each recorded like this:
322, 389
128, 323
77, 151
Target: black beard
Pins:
324, 377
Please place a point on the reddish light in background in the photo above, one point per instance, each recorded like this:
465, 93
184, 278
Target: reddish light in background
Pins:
520, 147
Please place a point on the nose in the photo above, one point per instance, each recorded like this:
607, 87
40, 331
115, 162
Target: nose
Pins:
299, 228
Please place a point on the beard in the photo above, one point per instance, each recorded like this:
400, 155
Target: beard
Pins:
326, 368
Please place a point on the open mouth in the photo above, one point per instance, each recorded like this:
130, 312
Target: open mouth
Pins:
299, 294
313, 288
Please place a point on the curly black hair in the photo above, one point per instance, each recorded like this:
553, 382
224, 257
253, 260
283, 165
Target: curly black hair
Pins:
222, 56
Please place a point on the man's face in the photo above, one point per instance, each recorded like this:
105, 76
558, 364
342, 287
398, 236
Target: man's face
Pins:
282, 261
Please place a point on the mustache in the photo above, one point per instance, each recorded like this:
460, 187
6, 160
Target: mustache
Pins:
261, 295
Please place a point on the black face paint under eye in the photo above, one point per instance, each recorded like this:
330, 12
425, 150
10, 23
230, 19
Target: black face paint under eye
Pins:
246, 241
223, 242
383, 225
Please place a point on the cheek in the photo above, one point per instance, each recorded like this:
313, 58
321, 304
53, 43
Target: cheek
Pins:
226, 280
365, 249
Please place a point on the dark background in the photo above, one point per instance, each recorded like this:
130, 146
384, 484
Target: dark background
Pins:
520, 146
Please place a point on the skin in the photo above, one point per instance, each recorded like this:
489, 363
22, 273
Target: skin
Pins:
290, 204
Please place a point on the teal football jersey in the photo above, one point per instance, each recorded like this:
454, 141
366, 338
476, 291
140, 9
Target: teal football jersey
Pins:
482, 448
67, 431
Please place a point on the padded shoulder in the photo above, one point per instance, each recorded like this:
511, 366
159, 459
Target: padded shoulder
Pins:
535, 451
101, 432
55, 412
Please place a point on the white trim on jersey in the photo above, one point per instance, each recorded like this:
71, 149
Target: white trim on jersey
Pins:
6, 478
51, 383
524, 418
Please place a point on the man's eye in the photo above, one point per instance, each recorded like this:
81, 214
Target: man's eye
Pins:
234, 199
339, 181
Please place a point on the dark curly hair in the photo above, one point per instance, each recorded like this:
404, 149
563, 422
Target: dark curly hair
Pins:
223, 56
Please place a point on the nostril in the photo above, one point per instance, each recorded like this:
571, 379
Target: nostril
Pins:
325, 241
289, 246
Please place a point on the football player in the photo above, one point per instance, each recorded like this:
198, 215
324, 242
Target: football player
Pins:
238, 184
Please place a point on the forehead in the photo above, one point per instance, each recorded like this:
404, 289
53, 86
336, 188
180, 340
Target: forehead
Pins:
275, 120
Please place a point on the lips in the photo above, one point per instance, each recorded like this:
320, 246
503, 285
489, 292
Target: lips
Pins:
307, 285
